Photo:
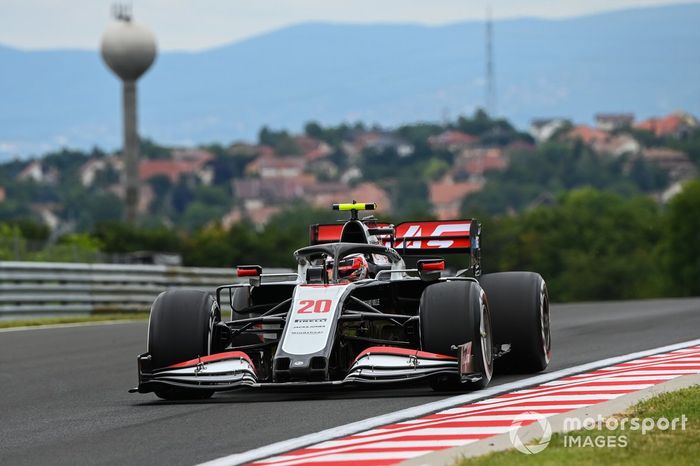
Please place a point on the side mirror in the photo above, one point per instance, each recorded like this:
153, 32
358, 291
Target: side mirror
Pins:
249, 270
239, 299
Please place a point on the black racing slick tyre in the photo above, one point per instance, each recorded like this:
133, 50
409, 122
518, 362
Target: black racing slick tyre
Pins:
180, 329
520, 311
453, 313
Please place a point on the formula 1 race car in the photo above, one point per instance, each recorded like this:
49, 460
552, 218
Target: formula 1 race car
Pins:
353, 312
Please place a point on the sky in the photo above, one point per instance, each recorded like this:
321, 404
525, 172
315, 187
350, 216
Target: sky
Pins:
200, 24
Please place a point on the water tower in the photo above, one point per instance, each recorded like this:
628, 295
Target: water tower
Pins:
129, 48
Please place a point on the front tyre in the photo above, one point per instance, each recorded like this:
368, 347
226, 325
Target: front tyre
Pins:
453, 313
179, 329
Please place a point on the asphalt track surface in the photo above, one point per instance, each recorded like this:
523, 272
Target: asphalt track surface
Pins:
64, 397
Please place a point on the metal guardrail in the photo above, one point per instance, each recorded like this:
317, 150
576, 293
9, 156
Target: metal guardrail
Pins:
66, 288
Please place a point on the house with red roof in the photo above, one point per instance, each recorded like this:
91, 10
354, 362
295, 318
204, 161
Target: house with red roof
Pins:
446, 196
676, 125
172, 169
475, 162
587, 135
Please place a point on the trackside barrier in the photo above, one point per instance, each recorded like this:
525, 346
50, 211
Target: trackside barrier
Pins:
69, 288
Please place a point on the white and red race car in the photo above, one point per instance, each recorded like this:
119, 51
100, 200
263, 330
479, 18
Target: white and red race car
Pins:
353, 312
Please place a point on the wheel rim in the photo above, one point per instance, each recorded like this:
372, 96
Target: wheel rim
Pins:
485, 339
545, 334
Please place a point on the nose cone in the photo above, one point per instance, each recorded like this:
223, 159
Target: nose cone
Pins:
128, 48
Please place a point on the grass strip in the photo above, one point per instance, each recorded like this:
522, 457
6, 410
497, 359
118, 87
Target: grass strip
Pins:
603, 447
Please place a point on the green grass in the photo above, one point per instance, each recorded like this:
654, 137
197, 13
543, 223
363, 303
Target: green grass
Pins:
679, 447
72, 319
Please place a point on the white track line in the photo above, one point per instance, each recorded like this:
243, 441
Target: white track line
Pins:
71, 325
428, 408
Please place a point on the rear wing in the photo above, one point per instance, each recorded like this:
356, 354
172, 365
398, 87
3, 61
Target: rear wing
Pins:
417, 238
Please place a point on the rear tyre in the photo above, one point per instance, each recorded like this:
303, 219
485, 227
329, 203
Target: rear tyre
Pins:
179, 329
453, 313
520, 310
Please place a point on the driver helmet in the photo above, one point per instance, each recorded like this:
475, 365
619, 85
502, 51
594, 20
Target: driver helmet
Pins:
351, 268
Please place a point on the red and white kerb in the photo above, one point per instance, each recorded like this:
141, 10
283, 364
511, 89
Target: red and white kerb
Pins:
394, 443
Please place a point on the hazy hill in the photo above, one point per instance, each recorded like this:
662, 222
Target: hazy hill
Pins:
642, 60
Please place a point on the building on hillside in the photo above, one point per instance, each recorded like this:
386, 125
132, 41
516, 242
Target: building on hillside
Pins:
3, 194
672, 191
587, 135
604, 142
89, 170
675, 162
474, 163
617, 145
258, 216
542, 129
353, 150
306, 143
268, 166
379, 141
36, 172
311, 148
519, 146
371, 192
201, 160
614, 121
323, 169
321, 152
453, 141
323, 195
176, 169
146, 196
352, 173
33, 171
202, 156
676, 125
47, 213
446, 196
267, 191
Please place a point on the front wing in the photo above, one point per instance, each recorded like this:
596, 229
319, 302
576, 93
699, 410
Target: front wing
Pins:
234, 369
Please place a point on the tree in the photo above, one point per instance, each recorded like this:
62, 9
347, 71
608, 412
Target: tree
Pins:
151, 150
313, 129
592, 245
555, 168
281, 141
435, 168
199, 214
682, 224
120, 237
